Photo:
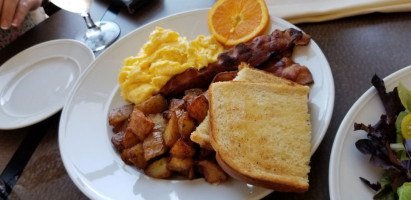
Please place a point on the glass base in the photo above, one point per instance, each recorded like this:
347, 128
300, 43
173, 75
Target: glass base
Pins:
100, 37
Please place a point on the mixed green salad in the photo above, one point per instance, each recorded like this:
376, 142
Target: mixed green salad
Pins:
389, 143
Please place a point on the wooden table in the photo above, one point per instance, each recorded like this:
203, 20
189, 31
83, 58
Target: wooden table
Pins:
356, 48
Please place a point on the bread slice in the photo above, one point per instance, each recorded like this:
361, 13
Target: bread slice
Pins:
246, 73
201, 135
261, 133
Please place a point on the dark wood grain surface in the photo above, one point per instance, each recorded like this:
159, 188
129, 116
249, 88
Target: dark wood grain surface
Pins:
356, 48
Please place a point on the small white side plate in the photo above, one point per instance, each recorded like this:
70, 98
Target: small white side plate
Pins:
35, 83
347, 164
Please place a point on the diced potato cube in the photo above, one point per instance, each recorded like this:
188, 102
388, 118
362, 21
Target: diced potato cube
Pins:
186, 125
180, 164
140, 124
182, 149
171, 134
190, 174
155, 104
130, 139
136, 156
212, 172
117, 141
159, 121
117, 116
158, 169
124, 140
125, 156
153, 145
197, 108
121, 127
176, 104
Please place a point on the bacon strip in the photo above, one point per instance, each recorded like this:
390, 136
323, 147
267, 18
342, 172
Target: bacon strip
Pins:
271, 47
290, 70
224, 76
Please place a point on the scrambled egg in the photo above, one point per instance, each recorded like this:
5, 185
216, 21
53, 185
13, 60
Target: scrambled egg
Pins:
163, 56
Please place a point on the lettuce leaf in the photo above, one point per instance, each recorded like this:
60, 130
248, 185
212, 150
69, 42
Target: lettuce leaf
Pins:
398, 126
405, 96
386, 145
390, 100
385, 193
404, 192
400, 151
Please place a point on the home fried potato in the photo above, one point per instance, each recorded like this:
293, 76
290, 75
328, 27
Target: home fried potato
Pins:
158, 169
212, 172
117, 141
136, 156
125, 156
140, 124
153, 105
176, 104
159, 121
190, 174
197, 108
117, 116
182, 149
155, 137
121, 127
171, 134
125, 139
153, 145
181, 165
186, 124
130, 139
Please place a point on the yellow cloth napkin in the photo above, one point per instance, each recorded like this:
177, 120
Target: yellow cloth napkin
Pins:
298, 11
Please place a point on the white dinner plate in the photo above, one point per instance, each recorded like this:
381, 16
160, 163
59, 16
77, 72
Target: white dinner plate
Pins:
347, 164
35, 83
84, 134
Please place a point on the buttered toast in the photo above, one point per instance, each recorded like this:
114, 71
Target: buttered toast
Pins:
201, 135
246, 73
261, 133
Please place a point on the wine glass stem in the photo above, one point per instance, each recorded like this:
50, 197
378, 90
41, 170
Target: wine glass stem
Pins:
89, 22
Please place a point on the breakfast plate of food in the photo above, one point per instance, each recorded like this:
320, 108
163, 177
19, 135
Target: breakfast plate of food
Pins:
35, 83
119, 94
370, 154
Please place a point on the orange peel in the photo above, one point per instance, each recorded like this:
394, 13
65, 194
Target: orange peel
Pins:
235, 21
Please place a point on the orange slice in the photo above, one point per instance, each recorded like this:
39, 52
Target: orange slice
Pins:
235, 21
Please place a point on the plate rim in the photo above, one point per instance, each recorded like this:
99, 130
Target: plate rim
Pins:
91, 193
341, 135
51, 111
